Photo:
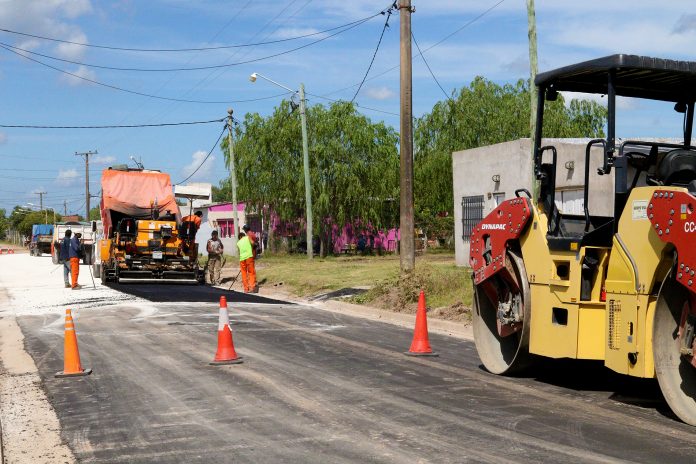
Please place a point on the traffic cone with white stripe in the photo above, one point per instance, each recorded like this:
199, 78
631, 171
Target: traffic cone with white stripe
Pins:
420, 346
71, 365
225, 350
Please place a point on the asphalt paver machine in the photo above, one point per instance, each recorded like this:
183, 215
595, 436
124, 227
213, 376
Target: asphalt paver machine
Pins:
619, 288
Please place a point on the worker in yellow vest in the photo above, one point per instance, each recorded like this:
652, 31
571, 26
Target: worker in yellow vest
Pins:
246, 264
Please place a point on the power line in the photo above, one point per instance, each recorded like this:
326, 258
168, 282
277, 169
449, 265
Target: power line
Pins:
206, 157
193, 68
134, 92
192, 49
190, 123
374, 55
447, 37
420, 52
358, 105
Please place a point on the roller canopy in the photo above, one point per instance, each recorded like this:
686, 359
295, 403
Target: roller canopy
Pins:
636, 76
133, 193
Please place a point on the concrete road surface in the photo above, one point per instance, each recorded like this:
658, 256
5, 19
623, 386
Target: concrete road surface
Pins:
320, 387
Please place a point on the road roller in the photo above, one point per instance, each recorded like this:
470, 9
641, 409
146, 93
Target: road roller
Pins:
621, 287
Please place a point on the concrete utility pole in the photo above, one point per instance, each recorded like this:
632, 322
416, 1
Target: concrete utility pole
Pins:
86, 156
233, 181
308, 186
408, 244
533, 69
40, 194
65, 207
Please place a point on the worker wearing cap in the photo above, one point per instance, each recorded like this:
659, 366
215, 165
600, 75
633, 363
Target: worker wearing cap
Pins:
215, 250
246, 264
195, 218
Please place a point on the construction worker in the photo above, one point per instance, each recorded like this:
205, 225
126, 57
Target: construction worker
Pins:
246, 264
74, 255
64, 257
215, 250
195, 218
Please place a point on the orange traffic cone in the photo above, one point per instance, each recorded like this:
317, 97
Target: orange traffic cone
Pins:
71, 366
420, 346
225, 350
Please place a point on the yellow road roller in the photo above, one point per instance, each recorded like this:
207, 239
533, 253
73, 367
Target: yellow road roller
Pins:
619, 288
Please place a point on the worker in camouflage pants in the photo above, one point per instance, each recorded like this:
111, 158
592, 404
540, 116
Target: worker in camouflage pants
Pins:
215, 250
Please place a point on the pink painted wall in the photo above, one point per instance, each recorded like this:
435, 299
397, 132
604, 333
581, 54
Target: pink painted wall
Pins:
226, 207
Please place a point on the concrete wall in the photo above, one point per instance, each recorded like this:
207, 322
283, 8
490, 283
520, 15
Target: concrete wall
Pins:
473, 174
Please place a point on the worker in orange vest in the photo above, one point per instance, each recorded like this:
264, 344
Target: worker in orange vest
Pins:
195, 218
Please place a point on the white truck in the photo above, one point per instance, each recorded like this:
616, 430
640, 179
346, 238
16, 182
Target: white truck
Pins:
88, 238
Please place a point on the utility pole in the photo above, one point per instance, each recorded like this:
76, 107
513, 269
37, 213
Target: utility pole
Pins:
533, 69
86, 156
65, 207
308, 186
40, 194
408, 245
233, 180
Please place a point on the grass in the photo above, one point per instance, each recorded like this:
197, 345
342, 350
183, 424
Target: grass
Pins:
447, 287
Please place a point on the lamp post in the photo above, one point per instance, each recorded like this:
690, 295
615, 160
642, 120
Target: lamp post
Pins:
305, 152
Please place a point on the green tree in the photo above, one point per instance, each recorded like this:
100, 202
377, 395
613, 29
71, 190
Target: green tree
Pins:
353, 166
486, 113
95, 214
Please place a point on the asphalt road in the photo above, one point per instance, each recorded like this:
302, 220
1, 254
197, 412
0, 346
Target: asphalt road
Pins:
323, 387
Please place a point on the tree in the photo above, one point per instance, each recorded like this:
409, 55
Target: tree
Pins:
95, 214
353, 166
22, 220
482, 114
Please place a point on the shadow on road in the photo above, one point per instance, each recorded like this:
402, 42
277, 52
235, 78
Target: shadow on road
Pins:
164, 293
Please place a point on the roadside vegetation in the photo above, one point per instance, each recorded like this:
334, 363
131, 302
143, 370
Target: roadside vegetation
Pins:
375, 281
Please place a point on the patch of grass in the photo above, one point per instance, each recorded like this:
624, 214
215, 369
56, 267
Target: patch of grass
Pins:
447, 287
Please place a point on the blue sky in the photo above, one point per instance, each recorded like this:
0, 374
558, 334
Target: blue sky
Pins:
494, 46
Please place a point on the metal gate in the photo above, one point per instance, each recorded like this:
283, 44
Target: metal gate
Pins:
472, 214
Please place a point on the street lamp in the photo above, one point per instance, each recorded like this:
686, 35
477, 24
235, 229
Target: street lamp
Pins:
305, 150
45, 211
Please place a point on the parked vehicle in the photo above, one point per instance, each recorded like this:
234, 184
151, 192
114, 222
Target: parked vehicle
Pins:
41, 238
88, 239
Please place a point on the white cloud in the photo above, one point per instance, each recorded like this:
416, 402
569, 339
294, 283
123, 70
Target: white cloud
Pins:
67, 177
622, 103
103, 159
3, 138
81, 71
686, 23
379, 93
205, 170
71, 51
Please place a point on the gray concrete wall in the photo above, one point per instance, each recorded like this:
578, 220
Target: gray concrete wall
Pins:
473, 174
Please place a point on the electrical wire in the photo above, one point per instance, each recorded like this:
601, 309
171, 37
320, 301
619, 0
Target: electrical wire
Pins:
428, 66
189, 123
447, 37
374, 55
193, 68
358, 105
193, 49
206, 157
134, 92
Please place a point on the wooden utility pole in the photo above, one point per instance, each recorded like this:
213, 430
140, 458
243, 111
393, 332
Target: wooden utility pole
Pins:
40, 194
407, 245
65, 207
86, 156
533, 69
233, 181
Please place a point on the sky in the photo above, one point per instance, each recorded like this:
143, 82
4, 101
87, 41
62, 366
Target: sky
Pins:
494, 46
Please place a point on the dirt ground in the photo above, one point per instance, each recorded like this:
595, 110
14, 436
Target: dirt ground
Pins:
30, 427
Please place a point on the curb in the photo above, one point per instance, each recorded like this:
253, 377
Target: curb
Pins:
439, 326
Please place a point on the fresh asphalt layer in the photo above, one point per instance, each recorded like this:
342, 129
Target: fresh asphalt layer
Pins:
319, 387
